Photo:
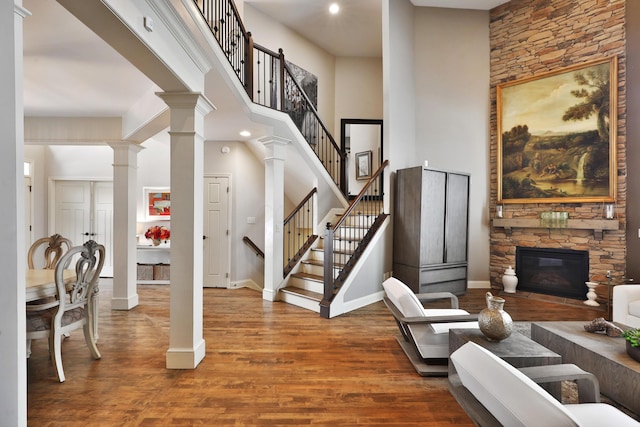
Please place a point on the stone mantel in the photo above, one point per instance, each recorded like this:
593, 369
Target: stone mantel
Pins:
597, 225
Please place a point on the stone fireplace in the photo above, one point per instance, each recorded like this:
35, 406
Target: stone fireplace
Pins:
528, 39
553, 271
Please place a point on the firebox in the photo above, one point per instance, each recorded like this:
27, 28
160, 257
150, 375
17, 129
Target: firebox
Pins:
552, 271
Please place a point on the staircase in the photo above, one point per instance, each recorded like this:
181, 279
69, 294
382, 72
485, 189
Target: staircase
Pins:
309, 281
306, 285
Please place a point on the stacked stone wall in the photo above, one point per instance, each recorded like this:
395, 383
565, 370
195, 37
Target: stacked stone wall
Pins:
531, 38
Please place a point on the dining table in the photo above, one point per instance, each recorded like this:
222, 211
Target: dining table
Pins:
41, 283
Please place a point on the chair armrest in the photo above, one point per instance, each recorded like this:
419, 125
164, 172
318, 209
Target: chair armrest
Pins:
588, 385
427, 320
474, 409
43, 306
435, 296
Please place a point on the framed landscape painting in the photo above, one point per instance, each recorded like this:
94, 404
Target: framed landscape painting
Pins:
157, 203
557, 136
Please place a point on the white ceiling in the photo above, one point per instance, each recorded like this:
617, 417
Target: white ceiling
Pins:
69, 71
356, 30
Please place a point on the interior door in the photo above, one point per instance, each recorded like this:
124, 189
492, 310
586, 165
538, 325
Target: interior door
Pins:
102, 221
216, 232
73, 210
84, 211
27, 213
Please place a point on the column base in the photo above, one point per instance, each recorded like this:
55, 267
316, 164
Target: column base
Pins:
185, 358
124, 303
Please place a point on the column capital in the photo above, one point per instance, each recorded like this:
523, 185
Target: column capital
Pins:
275, 146
129, 145
190, 100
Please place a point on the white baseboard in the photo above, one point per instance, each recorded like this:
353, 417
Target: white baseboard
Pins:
248, 283
478, 284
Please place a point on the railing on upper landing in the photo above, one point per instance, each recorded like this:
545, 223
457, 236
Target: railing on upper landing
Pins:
269, 81
343, 241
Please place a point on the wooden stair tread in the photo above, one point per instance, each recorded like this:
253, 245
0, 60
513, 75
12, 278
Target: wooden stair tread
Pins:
319, 263
335, 251
308, 276
303, 292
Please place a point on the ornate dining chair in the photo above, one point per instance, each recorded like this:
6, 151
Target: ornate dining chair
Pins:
52, 249
73, 306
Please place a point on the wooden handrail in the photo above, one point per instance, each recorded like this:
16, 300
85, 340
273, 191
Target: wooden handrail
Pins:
361, 194
253, 246
297, 208
313, 109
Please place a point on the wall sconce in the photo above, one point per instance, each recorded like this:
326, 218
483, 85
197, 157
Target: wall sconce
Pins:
499, 211
609, 210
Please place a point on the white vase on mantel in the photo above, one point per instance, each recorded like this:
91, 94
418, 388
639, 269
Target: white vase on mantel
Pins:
509, 281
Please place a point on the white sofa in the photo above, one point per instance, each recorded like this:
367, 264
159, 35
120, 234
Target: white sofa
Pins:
626, 305
512, 399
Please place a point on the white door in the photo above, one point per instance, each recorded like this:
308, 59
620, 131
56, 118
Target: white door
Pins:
102, 222
84, 211
216, 232
27, 213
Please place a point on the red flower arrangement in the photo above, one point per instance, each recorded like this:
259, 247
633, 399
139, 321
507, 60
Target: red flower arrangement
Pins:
157, 232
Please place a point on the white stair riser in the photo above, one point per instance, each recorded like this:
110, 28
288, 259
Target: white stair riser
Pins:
300, 301
350, 233
318, 270
337, 258
360, 221
309, 285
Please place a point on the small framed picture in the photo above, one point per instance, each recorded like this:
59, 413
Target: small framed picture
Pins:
157, 203
363, 165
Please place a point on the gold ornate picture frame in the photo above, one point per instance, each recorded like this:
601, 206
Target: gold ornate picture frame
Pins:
557, 135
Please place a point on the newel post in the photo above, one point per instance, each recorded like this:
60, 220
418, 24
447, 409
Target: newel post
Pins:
325, 304
248, 71
282, 80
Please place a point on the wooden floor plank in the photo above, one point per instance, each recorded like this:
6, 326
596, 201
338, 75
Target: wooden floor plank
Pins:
267, 363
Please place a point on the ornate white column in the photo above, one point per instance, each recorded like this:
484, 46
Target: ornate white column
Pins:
273, 214
125, 185
186, 344
13, 369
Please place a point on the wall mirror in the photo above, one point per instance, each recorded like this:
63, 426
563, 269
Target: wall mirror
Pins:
361, 140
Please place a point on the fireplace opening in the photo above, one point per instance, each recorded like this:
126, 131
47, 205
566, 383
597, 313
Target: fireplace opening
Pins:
550, 271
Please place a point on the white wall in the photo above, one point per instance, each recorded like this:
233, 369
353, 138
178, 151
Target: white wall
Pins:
451, 54
247, 200
358, 92
302, 52
363, 138
398, 81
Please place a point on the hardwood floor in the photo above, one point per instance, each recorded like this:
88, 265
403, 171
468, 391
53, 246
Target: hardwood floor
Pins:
266, 364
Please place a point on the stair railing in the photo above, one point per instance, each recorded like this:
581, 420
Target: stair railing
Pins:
253, 246
224, 21
344, 242
298, 232
269, 81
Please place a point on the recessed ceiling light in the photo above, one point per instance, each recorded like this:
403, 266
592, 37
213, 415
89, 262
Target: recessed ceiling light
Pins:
245, 133
334, 8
